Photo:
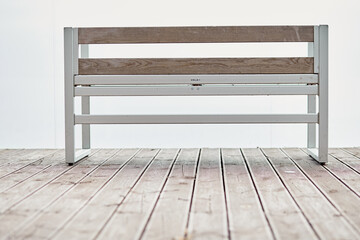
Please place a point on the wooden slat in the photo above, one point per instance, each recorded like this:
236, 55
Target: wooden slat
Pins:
133, 213
354, 151
321, 214
23, 159
171, 213
346, 167
260, 196
246, 217
208, 216
57, 180
213, 34
31, 172
154, 66
6, 155
350, 157
93, 217
277, 202
47, 223
341, 197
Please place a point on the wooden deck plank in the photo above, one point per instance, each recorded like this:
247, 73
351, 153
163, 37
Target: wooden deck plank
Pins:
271, 193
6, 155
246, 217
131, 216
354, 151
87, 223
348, 156
12, 195
346, 201
19, 176
30, 170
23, 159
283, 214
344, 166
49, 219
170, 216
54, 183
154, 66
318, 210
208, 217
46, 224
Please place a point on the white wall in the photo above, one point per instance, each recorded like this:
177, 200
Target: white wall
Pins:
31, 71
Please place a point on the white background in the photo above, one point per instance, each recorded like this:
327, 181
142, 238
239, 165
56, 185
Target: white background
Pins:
31, 71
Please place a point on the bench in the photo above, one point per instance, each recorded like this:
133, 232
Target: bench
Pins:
87, 77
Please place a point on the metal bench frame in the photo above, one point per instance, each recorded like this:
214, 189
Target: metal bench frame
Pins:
203, 84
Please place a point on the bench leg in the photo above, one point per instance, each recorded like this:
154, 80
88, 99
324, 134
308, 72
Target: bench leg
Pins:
311, 127
85, 109
323, 95
69, 140
320, 52
70, 66
85, 105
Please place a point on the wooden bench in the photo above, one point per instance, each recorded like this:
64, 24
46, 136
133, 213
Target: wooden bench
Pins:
197, 77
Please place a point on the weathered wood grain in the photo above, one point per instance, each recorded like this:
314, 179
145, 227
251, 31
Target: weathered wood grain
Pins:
246, 217
348, 156
132, 215
279, 195
283, 214
340, 196
346, 168
322, 216
208, 216
169, 218
154, 66
14, 192
6, 155
47, 222
213, 34
23, 159
354, 151
87, 223
30, 170
54, 182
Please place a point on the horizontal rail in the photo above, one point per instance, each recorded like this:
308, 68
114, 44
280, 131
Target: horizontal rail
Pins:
213, 34
159, 66
197, 90
314, 153
196, 119
79, 154
196, 79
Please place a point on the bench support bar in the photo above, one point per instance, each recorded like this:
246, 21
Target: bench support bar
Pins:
196, 119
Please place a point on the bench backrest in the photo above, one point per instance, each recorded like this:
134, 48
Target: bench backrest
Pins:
169, 66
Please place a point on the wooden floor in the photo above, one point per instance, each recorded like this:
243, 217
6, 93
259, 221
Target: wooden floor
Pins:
180, 194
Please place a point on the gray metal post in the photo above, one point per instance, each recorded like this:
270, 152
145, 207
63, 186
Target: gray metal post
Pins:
313, 51
323, 94
69, 96
85, 105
